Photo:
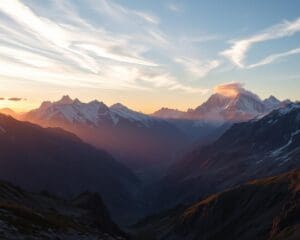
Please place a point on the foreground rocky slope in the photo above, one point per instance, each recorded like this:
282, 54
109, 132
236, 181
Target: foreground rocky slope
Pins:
262, 209
25, 215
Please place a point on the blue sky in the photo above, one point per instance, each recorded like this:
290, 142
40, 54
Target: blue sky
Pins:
146, 54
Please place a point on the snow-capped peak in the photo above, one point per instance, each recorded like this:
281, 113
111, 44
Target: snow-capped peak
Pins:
247, 102
92, 113
119, 106
219, 107
271, 102
215, 101
122, 111
290, 107
229, 103
272, 99
65, 100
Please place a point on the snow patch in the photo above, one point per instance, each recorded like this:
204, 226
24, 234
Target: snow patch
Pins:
288, 109
281, 149
133, 116
2, 129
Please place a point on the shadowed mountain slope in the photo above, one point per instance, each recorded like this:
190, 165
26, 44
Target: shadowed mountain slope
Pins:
262, 147
267, 209
37, 158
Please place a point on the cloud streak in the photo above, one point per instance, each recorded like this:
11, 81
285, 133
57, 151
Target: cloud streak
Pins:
174, 7
229, 89
120, 13
16, 99
70, 41
239, 48
73, 52
198, 68
274, 57
232, 89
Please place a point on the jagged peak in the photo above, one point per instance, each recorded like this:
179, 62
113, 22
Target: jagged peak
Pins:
123, 108
45, 104
215, 100
119, 106
166, 109
272, 98
65, 100
97, 102
77, 101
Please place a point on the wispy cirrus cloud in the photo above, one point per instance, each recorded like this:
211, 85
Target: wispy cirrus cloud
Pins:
239, 48
147, 17
121, 13
201, 39
69, 41
159, 38
166, 80
196, 67
174, 7
68, 50
274, 57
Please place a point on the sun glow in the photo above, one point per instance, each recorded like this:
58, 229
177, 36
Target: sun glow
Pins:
229, 90
19, 106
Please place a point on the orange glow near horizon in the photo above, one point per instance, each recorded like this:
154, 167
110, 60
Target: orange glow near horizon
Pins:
17, 106
141, 101
149, 106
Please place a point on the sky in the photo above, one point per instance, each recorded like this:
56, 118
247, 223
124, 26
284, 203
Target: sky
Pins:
146, 54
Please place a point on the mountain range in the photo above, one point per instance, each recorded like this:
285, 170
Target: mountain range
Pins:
186, 169
208, 121
138, 140
265, 146
155, 141
219, 108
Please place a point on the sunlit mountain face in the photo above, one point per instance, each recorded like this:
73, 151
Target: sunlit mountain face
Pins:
149, 120
230, 102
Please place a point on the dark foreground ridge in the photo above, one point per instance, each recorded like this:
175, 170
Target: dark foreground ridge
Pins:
25, 215
266, 209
